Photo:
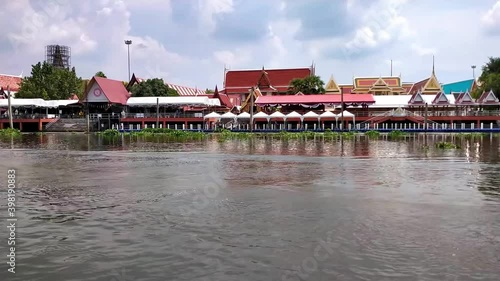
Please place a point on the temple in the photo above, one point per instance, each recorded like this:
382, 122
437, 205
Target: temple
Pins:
428, 86
237, 83
378, 86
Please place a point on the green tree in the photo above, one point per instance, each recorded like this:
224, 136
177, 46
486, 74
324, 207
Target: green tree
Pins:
490, 78
100, 74
152, 88
307, 85
209, 92
50, 83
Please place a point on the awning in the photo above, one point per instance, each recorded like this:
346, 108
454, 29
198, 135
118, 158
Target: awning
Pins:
315, 100
170, 101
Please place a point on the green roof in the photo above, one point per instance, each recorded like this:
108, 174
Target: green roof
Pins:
457, 87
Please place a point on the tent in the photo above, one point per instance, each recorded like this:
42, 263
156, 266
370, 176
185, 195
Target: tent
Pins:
228, 115
311, 114
328, 114
278, 114
243, 115
212, 115
294, 114
261, 115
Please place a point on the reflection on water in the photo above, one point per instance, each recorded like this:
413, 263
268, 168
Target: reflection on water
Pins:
258, 209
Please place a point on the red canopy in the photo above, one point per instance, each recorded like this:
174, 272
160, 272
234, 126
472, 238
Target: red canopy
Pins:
315, 99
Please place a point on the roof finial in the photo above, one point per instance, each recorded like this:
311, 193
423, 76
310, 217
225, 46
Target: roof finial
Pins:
433, 72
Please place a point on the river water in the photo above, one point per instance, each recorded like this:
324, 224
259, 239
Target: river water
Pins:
359, 209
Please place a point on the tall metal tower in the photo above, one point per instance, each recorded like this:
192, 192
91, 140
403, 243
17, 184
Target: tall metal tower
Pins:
58, 56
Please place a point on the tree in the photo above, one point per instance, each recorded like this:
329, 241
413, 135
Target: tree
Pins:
100, 74
50, 83
490, 78
209, 92
307, 85
152, 88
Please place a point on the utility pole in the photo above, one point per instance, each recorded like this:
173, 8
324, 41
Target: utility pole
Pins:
11, 121
473, 71
128, 43
157, 112
342, 110
391, 68
88, 113
426, 117
251, 108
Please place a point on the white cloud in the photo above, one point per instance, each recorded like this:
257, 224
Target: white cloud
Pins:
233, 59
491, 19
422, 51
382, 23
209, 9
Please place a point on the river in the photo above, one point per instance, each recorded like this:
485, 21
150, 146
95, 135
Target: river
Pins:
91, 208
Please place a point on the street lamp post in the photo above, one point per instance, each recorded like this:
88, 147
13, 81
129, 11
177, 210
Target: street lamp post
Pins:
128, 43
473, 71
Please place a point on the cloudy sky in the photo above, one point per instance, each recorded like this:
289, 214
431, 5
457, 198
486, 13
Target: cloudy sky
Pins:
188, 42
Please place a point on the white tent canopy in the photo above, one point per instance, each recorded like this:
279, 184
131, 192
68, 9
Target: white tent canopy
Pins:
277, 114
36, 103
261, 115
348, 114
228, 115
294, 114
328, 114
243, 115
170, 101
212, 115
311, 114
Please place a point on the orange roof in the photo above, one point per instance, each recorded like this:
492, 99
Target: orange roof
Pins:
11, 81
240, 81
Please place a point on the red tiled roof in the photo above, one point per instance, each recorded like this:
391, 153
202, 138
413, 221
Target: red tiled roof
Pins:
418, 86
14, 82
460, 99
416, 99
315, 99
239, 81
224, 99
407, 87
488, 98
346, 89
114, 90
441, 99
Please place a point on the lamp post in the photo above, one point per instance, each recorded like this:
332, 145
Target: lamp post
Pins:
128, 43
473, 71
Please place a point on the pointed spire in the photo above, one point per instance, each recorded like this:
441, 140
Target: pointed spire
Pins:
433, 70
216, 91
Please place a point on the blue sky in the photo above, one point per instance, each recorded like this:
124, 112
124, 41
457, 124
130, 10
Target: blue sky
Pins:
188, 42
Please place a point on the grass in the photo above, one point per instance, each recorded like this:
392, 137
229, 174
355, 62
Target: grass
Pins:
9, 132
372, 134
396, 134
447, 145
